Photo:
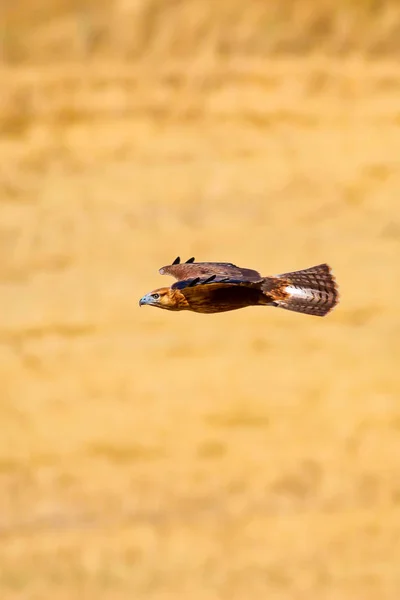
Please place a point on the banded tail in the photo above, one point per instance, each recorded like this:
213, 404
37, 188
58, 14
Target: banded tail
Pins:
311, 291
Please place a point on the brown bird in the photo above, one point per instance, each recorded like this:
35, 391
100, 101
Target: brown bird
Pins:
218, 287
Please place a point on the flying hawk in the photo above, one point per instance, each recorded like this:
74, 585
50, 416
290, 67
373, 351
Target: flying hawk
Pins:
218, 287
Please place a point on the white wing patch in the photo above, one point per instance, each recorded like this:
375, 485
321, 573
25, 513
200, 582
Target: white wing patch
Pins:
298, 292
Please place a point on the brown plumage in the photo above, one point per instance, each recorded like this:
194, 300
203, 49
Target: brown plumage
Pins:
220, 287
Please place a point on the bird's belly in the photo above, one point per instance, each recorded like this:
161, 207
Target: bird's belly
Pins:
210, 309
224, 299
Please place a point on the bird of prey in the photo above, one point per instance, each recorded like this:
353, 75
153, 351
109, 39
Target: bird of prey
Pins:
219, 287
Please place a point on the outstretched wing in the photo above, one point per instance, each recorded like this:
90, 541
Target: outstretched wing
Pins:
191, 270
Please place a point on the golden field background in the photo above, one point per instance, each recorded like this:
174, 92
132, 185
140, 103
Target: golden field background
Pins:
146, 454
159, 30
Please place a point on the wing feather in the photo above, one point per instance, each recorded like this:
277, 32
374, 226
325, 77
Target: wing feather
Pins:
213, 281
218, 294
189, 270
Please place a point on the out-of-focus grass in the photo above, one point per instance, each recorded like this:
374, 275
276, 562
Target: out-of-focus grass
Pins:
153, 455
47, 31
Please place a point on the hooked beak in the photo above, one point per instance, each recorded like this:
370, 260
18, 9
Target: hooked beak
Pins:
145, 300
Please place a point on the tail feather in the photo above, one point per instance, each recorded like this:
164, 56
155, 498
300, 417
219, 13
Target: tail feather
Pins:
311, 291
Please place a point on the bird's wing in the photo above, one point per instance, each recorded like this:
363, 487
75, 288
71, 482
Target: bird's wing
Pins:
209, 284
217, 294
214, 280
191, 270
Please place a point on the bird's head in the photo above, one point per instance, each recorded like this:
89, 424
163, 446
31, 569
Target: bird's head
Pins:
161, 298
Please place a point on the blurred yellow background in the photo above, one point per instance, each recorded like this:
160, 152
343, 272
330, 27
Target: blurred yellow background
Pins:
147, 454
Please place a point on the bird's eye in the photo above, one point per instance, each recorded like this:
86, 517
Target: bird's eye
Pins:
155, 296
